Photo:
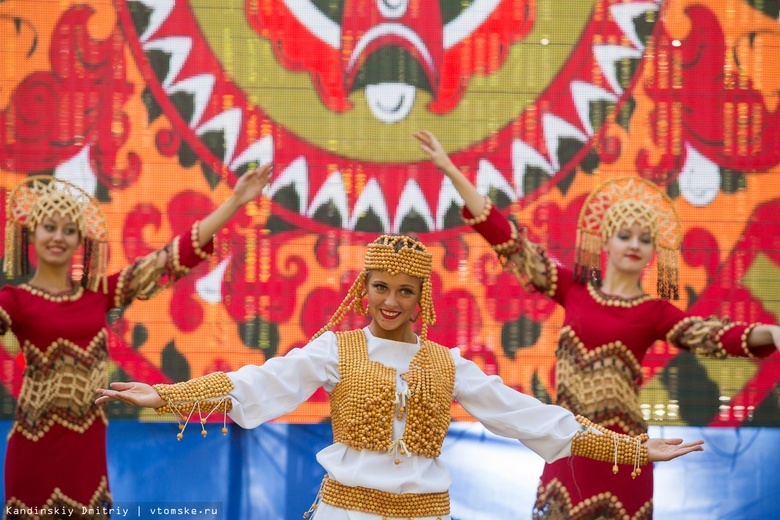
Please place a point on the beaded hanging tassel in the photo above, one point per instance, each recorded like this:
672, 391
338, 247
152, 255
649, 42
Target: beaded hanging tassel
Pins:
204, 395
599, 443
622, 203
42, 196
394, 254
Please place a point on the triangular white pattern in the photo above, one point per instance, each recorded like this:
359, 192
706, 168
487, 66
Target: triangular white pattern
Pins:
78, 170
583, 94
489, 177
608, 55
447, 195
624, 15
179, 47
699, 178
209, 287
412, 199
523, 156
229, 122
297, 174
201, 87
371, 198
261, 151
331, 191
161, 9
556, 128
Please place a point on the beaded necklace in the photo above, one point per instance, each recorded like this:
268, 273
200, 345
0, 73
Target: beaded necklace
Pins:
70, 295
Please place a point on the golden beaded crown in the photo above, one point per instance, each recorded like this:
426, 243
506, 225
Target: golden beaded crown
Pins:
624, 202
41, 196
398, 254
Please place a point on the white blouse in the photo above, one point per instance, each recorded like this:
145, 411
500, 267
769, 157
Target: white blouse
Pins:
281, 384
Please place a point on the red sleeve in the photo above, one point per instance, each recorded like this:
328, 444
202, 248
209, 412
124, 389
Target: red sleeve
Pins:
186, 251
726, 338
501, 233
560, 280
142, 280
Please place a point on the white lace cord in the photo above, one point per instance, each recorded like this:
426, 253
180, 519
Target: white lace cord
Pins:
181, 415
400, 402
317, 500
224, 400
637, 453
393, 450
615, 440
203, 420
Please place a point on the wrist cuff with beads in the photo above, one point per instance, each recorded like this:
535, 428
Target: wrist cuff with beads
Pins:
599, 443
206, 393
500, 232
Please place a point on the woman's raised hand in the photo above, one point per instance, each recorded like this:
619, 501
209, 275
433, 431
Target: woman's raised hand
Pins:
431, 146
251, 183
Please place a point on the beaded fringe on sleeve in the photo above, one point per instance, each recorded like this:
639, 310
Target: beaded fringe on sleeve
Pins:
507, 238
149, 275
596, 442
203, 395
705, 336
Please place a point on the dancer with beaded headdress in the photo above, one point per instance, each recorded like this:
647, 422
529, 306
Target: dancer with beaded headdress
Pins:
55, 463
609, 324
390, 393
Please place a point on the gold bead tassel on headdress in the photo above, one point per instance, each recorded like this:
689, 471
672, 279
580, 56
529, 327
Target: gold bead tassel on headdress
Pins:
394, 254
42, 196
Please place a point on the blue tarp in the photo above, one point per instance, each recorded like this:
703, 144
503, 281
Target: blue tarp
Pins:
271, 472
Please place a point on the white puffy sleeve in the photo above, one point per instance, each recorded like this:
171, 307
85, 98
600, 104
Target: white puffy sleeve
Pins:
546, 429
278, 386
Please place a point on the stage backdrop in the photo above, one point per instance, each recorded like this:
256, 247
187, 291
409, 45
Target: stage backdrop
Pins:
157, 106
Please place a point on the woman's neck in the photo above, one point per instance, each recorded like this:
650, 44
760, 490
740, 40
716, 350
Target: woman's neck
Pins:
52, 280
401, 334
620, 284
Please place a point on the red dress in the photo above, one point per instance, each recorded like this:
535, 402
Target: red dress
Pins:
598, 374
55, 460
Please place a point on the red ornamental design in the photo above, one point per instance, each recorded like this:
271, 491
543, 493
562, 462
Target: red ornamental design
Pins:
731, 125
78, 103
304, 39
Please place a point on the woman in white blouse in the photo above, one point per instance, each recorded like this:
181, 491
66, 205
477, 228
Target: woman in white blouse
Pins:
390, 393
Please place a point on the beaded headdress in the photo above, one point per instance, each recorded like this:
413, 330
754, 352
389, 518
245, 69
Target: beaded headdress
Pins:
394, 254
622, 203
41, 196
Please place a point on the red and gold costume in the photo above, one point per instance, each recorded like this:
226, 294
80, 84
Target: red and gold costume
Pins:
604, 340
56, 455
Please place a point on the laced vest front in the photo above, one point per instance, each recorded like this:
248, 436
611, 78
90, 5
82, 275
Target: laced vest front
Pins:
363, 403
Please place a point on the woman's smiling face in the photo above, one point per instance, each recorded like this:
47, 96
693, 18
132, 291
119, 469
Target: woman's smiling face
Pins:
392, 303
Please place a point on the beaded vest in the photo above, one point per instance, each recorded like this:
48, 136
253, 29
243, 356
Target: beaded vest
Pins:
362, 404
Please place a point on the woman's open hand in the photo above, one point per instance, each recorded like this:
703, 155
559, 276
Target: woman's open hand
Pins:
668, 449
250, 184
134, 394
